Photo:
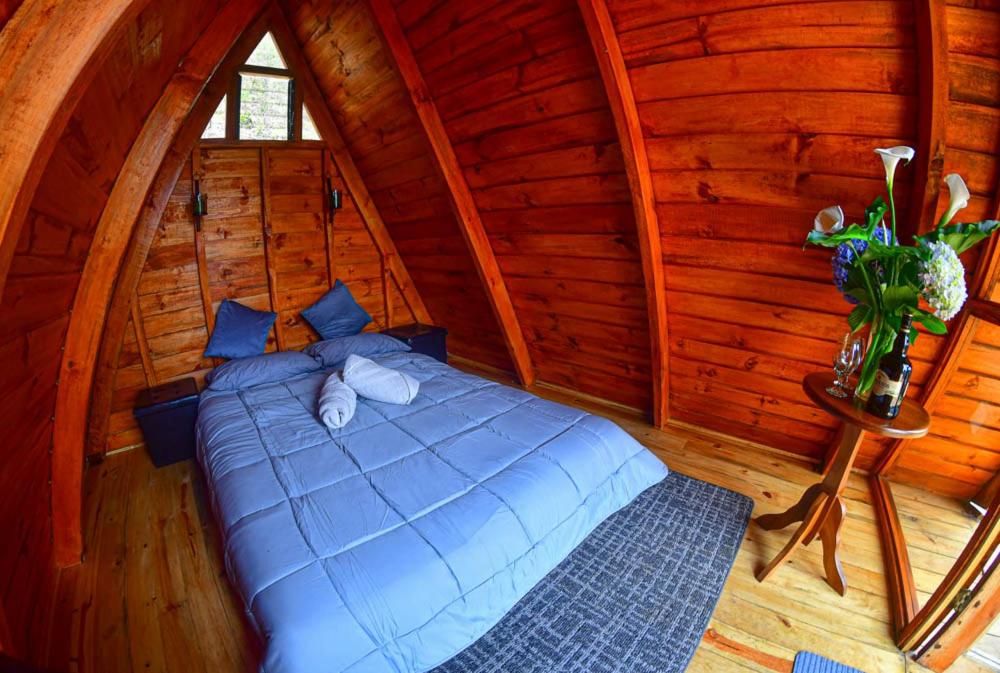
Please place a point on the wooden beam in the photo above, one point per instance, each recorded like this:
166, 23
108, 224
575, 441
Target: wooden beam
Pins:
618, 87
107, 251
932, 115
458, 189
264, 166
328, 130
50, 51
902, 593
145, 228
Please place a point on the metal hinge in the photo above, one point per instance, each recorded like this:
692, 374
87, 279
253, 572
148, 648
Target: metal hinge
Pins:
961, 601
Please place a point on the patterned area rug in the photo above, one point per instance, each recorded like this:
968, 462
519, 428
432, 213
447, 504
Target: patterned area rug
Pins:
807, 662
634, 597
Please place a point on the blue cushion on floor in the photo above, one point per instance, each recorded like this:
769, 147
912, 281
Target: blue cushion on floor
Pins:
336, 314
240, 331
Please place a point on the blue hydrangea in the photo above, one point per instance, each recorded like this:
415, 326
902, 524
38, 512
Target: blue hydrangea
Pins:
844, 257
943, 277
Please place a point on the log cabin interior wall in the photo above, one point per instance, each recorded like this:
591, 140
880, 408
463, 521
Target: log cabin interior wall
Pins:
754, 115
267, 242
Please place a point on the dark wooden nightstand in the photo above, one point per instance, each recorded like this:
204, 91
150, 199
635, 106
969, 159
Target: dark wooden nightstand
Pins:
426, 339
167, 415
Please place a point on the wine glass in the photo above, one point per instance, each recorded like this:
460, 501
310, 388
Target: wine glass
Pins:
845, 361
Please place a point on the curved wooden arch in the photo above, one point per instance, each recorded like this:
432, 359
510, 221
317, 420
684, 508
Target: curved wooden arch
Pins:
466, 212
618, 87
50, 51
128, 197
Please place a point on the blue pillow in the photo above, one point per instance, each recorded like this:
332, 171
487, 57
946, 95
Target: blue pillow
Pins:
240, 331
336, 314
259, 369
333, 352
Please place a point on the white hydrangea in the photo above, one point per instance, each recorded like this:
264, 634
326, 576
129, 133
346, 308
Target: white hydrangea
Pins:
943, 278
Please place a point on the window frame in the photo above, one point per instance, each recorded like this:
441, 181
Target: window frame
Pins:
296, 105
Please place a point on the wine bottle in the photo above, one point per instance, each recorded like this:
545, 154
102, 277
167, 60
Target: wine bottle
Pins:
893, 376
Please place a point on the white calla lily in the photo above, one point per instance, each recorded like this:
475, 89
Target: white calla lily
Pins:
959, 197
829, 220
891, 157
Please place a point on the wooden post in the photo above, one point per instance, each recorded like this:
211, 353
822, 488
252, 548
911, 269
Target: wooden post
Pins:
465, 208
619, 90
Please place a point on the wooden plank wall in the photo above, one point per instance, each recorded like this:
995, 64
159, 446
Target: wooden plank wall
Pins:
517, 86
750, 130
284, 265
341, 42
43, 279
963, 450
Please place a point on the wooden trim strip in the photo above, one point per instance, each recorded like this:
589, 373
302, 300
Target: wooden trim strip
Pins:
618, 87
903, 602
932, 64
147, 223
985, 310
269, 264
968, 565
965, 629
323, 118
466, 211
200, 253
140, 339
107, 251
50, 51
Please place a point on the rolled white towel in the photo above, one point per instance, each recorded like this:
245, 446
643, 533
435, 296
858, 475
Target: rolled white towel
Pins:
379, 383
337, 402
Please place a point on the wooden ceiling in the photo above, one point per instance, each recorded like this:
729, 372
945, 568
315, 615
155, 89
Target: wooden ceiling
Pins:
604, 195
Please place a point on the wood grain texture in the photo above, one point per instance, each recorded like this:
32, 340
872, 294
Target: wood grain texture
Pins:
466, 210
36, 98
106, 254
619, 89
363, 91
145, 229
136, 513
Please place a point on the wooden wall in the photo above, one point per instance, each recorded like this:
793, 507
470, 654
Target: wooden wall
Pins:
371, 107
266, 242
41, 284
755, 114
517, 86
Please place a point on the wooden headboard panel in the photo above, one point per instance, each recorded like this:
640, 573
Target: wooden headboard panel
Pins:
267, 242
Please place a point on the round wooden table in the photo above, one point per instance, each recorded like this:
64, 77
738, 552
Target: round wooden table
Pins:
821, 508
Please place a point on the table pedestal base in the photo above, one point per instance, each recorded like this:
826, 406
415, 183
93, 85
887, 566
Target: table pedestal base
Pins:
821, 511
821, 514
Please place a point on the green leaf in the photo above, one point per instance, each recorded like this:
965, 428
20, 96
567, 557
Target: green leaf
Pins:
933, 323
859, 293
851, 233
874, 214
962, 236
859, 317
898, 297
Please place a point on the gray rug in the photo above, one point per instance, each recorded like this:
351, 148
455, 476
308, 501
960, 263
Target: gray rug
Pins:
807, 662
634, 597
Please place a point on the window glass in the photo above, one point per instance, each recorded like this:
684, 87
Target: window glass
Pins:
266, 54
263, 107
217, 124
309, 131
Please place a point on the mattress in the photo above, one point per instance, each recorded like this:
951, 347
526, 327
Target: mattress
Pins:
395, 542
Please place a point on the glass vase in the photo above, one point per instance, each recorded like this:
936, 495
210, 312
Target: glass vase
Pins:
879, 343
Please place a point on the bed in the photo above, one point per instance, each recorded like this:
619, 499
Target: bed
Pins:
393, 543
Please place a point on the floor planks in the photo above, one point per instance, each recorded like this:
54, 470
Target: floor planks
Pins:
153, 595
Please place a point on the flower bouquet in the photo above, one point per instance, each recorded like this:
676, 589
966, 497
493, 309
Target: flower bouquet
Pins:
886, 280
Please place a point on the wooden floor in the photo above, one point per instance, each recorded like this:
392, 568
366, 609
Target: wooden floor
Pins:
153, 594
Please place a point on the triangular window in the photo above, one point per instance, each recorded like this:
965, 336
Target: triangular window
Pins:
309, 131
262, 103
